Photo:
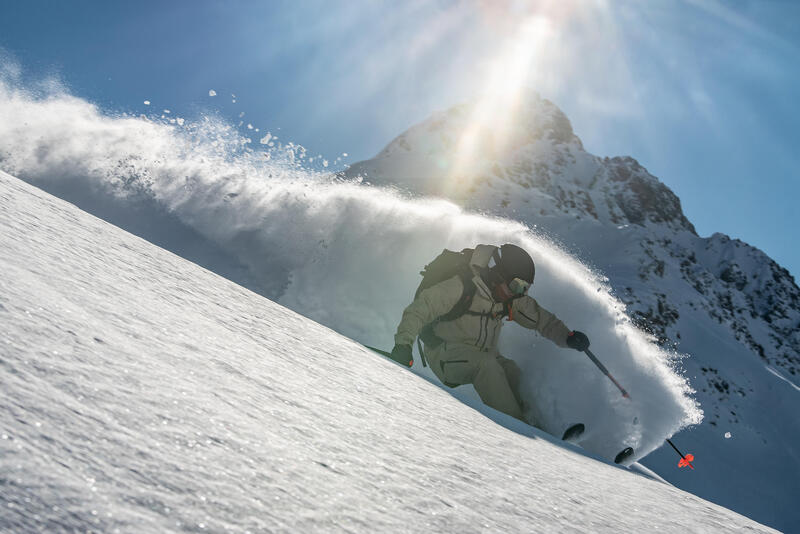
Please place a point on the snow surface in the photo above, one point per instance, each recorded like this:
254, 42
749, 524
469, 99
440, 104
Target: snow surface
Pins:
144, 393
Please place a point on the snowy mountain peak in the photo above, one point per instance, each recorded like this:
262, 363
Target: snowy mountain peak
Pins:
534, 118
493, 156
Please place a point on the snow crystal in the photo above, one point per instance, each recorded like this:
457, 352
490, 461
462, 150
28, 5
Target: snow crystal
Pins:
249, 126
727, 435
212, 92
266, 139
167, 111
324, 162
146, 102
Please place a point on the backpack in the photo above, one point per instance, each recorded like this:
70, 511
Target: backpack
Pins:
445, 266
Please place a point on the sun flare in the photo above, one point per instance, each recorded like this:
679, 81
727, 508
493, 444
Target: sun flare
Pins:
510, 74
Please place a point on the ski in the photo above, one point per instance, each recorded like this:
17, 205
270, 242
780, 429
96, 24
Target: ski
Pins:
623, 455
573, 433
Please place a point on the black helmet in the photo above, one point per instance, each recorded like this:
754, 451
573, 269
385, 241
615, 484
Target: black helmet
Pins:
515, 263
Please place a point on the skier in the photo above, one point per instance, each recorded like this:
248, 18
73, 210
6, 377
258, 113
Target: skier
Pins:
459, 321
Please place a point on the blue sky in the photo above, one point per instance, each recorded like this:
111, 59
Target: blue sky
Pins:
703, 93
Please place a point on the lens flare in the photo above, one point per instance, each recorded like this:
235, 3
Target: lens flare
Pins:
490, 124
526, 57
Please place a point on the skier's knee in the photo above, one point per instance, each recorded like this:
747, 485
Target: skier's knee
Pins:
492, 386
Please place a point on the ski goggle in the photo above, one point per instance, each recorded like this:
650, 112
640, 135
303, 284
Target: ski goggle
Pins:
519, 287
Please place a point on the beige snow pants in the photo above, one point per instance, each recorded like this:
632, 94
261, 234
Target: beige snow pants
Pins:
495, 378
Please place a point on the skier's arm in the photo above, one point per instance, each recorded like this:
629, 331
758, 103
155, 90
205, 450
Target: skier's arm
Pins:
527, 312
430, 304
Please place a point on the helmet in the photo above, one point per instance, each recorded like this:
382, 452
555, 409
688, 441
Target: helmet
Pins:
514, 262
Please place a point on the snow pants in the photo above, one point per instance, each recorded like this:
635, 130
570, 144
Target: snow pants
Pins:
495, 378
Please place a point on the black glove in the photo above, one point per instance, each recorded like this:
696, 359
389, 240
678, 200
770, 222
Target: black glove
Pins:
578, 341
402, 355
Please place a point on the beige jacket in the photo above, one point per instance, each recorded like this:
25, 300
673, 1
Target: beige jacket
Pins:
482, 331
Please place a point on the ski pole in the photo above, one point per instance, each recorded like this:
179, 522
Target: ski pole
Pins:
605, 372
685, 460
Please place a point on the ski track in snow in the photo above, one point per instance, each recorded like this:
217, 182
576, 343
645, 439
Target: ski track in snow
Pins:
342, 254
144, 393
779, 375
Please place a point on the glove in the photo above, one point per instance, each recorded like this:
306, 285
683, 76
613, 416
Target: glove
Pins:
402, 355
578, 341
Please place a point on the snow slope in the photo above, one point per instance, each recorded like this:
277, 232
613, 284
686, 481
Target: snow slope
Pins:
144, 393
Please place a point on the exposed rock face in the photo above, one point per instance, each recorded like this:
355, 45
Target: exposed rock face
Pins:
642, 197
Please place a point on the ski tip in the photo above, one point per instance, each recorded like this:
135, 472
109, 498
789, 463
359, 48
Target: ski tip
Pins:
573, 432
623, 455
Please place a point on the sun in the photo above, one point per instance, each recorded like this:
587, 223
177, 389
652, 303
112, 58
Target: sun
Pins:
495, 110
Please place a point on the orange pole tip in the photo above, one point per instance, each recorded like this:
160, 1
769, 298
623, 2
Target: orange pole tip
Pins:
686, 460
